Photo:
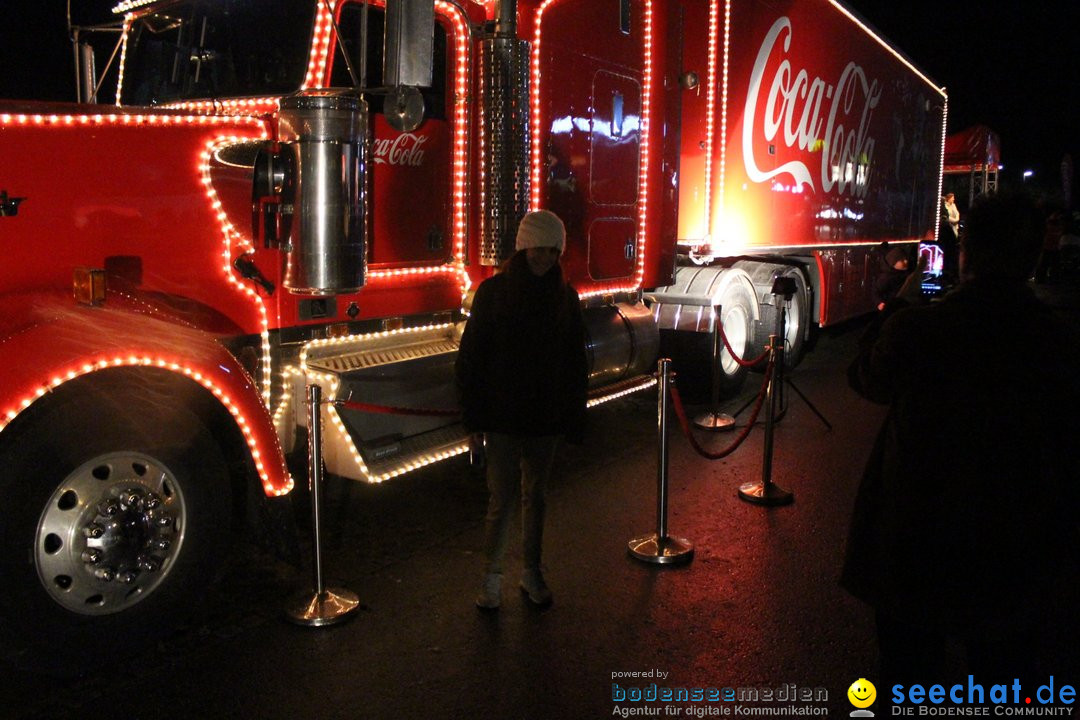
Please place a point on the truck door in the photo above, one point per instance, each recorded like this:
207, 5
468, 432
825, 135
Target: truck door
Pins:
411, 214
592, 96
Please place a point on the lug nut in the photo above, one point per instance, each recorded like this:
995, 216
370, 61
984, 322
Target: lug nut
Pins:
93, 530
148, 563
153, 502
105, 574
91, 555
108, 508
131, 499
129, 576
161, 544
164, 521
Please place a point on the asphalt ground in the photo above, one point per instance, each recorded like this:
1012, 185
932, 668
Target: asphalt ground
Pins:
757, 607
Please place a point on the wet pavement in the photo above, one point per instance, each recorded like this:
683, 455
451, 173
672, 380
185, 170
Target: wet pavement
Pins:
757, 607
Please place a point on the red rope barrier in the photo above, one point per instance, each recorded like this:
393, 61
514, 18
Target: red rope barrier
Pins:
391, 410
680, 413
736, 358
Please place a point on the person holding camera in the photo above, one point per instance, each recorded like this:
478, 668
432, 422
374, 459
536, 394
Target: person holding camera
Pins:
965, 520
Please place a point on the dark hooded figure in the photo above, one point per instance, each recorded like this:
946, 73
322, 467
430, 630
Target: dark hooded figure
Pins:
892, 276
966, 516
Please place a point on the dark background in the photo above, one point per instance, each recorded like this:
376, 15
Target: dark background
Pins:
1009, 65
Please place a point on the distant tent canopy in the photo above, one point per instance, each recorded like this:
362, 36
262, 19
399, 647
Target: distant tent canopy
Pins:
972, 149
975, 154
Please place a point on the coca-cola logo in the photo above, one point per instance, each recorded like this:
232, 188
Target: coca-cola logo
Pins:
796, 106
406, 149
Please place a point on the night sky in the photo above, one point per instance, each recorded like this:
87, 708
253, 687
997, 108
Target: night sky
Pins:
1009, 65
1012, 66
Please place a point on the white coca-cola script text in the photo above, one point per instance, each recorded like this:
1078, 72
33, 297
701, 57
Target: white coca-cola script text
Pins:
795, 105
405, 149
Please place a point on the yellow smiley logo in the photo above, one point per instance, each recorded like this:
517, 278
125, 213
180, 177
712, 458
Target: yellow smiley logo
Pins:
862, 693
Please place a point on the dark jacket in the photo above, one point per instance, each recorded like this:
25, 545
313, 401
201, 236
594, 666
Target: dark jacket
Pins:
521, 368
888, 283
967, 509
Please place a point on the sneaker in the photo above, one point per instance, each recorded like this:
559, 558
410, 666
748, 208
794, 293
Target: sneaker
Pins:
534, 587
490, 592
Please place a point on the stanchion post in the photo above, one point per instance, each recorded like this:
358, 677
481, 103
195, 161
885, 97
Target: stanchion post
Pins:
765, 492
325, 606
714, 419
659, 547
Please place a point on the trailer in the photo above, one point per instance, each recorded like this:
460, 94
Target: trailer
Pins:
284, 194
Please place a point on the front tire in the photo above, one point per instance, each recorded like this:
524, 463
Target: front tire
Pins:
118, 506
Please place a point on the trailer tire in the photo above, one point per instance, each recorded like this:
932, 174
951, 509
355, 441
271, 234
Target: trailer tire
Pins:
737, 319
118, 505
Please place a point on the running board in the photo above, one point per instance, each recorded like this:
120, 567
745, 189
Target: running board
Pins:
391, 401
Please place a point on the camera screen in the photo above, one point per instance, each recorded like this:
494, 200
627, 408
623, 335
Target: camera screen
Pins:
934, 259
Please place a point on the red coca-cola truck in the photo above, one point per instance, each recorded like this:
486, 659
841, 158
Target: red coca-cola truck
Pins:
308, 192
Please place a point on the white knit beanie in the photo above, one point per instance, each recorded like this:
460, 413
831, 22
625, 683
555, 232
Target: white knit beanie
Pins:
541, 228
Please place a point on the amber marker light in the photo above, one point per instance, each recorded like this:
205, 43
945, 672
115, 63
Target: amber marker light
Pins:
88, 285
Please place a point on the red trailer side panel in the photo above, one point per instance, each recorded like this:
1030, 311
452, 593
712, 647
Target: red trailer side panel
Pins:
823, 135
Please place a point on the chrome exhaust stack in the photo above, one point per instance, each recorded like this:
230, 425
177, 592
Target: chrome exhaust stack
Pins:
505, 93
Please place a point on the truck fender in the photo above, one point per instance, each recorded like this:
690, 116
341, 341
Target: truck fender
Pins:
60, 342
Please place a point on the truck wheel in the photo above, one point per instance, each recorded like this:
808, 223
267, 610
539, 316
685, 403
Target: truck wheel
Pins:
737, 319
117, 509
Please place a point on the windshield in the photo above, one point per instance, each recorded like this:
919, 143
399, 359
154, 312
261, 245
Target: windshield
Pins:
205, 49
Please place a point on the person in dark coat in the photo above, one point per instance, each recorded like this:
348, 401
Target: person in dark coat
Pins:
892, 276
522, 375
966, 516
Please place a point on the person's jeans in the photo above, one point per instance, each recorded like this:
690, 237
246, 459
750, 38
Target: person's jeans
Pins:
515, 461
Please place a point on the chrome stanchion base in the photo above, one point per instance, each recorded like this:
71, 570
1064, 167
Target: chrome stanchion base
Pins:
332, 606
761, 494
715, 421
662, 551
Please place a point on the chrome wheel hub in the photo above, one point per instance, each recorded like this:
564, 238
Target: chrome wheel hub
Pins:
109, 533
791, 324
734, 323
